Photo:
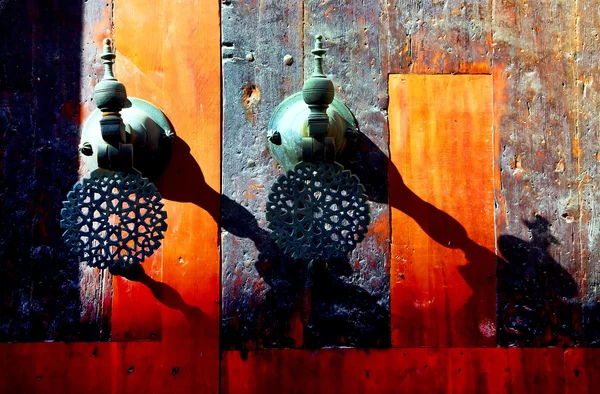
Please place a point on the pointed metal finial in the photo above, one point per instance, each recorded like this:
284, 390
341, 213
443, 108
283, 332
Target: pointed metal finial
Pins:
318, 51
110, 94
318, 93
109, 59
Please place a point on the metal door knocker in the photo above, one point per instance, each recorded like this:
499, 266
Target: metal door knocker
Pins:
317, 211
115, 218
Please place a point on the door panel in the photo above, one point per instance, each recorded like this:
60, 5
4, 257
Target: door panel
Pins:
420, 370
441, 188
541, 160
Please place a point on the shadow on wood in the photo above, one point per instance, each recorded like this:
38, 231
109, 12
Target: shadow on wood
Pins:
333, 311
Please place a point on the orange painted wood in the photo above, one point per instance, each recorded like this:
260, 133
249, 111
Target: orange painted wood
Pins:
162, 60
159, 59
443, 290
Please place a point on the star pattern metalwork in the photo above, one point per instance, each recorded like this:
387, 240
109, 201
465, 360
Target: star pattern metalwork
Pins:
113, 219
317, 210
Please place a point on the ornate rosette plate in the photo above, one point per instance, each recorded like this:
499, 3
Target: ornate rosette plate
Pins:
113, 219
317, 211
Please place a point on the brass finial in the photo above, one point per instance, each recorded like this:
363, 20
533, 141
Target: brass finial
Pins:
109, 59
318, 93
318, 51
110, 94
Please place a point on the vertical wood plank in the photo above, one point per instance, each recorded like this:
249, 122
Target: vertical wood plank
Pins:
42, 82
262, 292
164, 61
136, 313
538, 212
352, 32
95, 285
588, 73
441, 172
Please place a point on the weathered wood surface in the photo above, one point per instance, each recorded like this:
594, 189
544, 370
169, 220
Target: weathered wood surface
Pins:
547, 160
178, 296
366, 41
542, 60
441, 189
267, 299
259, 292
43, 91
95, 286
588, 73
420, 370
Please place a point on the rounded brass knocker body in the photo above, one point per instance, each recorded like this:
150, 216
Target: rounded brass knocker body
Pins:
114, 217
317, 211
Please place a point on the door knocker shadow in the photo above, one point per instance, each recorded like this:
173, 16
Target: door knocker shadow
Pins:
166, 295
537, 298
338, 313
335, 312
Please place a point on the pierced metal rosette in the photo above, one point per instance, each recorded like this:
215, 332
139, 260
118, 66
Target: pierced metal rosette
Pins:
113, 219
317, 211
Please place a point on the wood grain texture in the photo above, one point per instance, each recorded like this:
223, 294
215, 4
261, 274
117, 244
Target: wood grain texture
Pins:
366, 41
421, 370
95, 285
435, 37
268, 300
441, 174
262, 295
542, 57
132, 367
164, 62
42, 82
354, 62
536, 116
588, 73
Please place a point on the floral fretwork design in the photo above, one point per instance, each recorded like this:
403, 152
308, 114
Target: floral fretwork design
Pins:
113, 219
317, 211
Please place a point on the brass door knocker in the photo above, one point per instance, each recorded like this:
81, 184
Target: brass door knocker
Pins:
114, 218
317, 211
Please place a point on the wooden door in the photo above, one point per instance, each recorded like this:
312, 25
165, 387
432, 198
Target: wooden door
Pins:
477, 150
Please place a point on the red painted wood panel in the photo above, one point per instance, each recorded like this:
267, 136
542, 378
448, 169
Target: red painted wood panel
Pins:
582, 370
441, 188
133, 367
410, 370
